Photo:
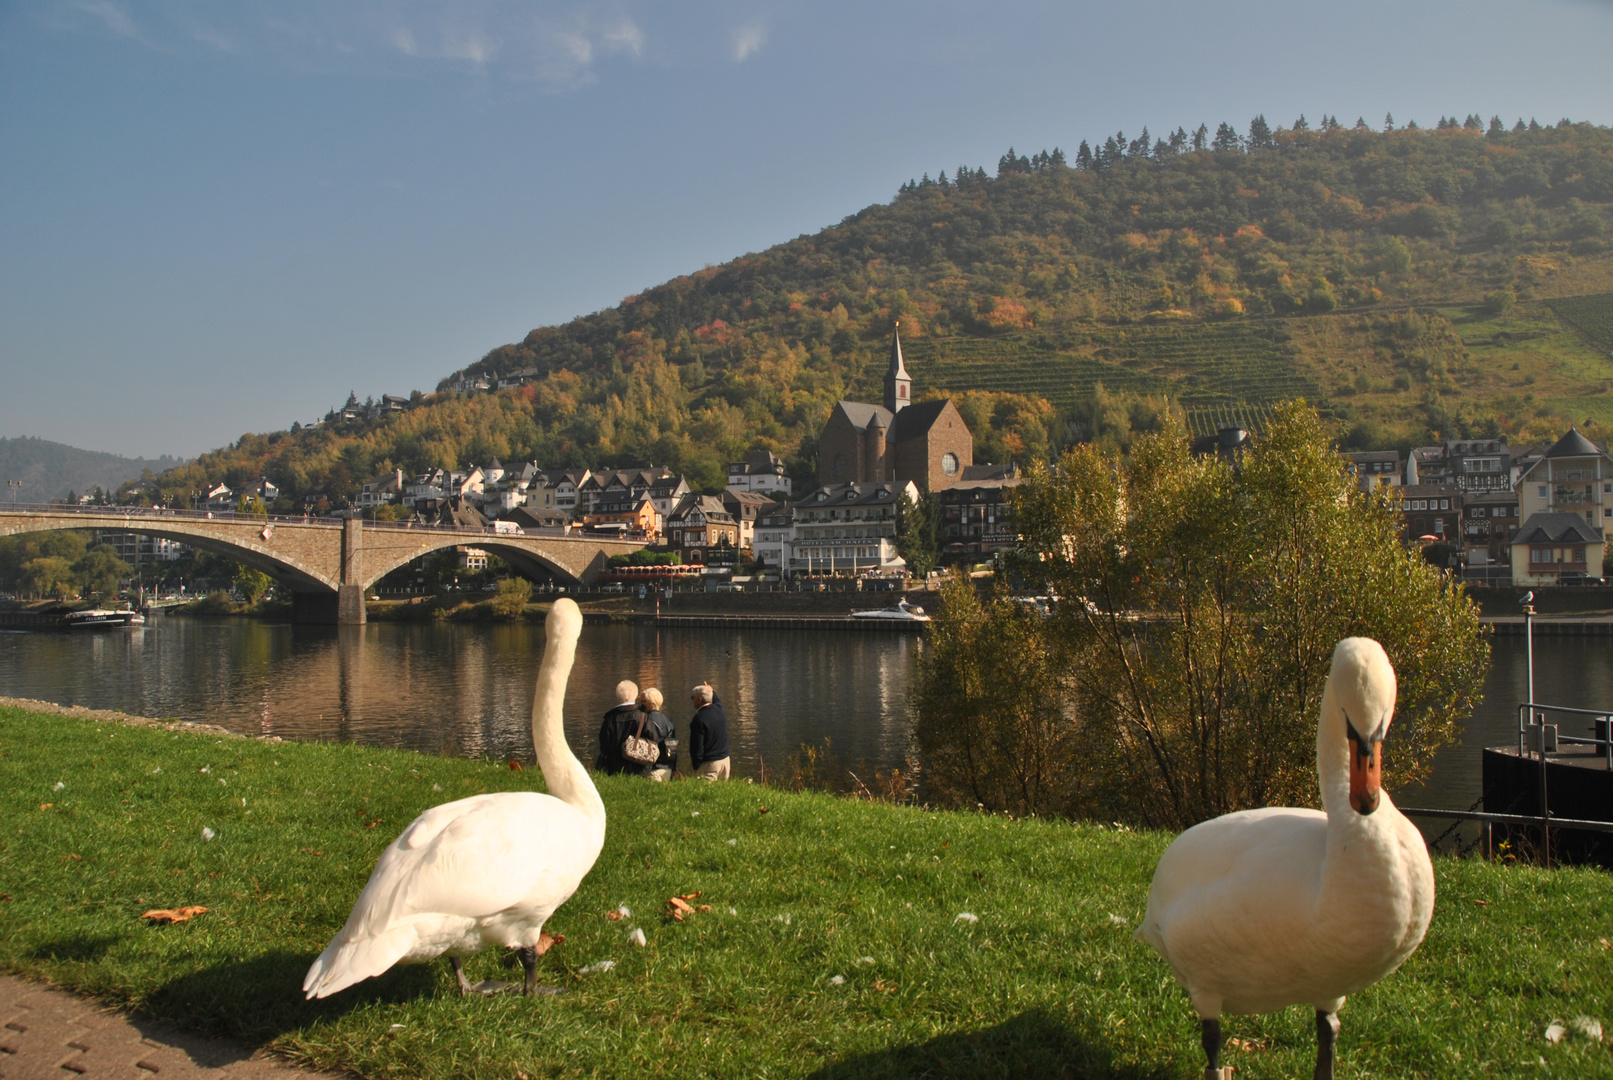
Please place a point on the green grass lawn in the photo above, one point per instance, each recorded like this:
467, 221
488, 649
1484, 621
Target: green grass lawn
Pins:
833, 946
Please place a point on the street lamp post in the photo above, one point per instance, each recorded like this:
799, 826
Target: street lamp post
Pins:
14, 486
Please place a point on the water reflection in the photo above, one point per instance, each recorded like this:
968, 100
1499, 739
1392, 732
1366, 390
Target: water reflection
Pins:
465, 690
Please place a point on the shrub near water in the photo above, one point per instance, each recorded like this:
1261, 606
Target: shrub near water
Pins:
1200, 603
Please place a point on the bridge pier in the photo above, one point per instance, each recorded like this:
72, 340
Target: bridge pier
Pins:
349, 605
350, 593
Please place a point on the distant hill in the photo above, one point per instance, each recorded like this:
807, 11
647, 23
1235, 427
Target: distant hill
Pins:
1455, 280
51, 470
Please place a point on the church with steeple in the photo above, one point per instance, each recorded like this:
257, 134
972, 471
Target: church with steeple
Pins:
927, 443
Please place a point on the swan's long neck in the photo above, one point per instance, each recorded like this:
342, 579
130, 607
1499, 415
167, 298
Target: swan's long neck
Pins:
1333, 757
563, 774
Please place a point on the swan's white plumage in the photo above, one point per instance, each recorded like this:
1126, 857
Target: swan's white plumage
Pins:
484, 871
1263, 909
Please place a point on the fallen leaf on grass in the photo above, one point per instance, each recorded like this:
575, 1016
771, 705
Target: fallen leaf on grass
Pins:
5, 898
173, 915
884, 987
515, 766
547, 941
762, 810
1248, 1046
75, 858
1482, 903
310, 851
373, 824
679, 906
622, 912
46, 805
1605, 944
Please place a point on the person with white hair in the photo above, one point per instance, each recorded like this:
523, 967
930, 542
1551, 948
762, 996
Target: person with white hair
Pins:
708, 734
619, 723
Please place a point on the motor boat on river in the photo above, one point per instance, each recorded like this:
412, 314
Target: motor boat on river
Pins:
103, 619
901, 611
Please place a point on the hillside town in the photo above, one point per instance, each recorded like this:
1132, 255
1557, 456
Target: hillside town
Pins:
1493, 513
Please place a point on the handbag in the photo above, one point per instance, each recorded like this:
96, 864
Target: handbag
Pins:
639, 750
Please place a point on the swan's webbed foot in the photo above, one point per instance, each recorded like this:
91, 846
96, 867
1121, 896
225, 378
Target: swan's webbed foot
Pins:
1327, 1035
486, 988
1210, 1038
529, 963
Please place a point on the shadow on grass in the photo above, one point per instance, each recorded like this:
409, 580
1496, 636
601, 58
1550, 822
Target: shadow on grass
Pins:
1031, 1046
257, 1000
83, 949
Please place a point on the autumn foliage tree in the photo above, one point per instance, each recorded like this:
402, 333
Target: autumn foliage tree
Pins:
1199, 604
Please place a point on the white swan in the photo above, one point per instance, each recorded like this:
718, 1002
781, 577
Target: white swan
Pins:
488, 870
1263, 909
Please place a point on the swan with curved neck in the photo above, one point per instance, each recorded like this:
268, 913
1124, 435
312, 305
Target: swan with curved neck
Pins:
1262, 909
484, 871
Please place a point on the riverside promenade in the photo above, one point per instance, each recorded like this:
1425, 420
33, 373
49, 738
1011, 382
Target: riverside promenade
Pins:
48, 1034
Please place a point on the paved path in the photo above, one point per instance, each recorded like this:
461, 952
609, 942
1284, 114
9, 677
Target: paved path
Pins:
52, 1035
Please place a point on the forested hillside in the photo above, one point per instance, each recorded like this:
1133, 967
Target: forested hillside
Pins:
1407, 281
49, 470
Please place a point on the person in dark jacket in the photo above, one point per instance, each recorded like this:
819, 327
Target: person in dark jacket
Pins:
619, 723
708, 735
658, 727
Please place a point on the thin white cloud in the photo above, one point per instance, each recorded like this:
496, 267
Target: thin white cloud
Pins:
623, 36
747, 39
403, 41
113, 16
208, 36
473, 46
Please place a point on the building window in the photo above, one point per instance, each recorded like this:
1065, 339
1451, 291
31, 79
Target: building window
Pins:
949, 463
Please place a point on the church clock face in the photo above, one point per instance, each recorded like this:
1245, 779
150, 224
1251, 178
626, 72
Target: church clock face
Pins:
949, 463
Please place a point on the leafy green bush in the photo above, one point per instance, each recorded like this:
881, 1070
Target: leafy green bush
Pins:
1199, 606
514, 593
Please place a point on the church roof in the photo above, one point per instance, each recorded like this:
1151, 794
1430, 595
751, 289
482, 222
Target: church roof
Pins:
860, 413
897, 370
1573, 444
917, 419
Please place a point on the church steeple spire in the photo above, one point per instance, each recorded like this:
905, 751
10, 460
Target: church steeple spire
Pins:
898, 384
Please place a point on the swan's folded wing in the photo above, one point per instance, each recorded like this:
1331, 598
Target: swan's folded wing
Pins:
468, 859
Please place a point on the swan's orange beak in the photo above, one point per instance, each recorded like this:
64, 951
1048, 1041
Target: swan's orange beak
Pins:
1366, 771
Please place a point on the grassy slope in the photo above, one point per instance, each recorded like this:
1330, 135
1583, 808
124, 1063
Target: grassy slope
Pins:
1049, 982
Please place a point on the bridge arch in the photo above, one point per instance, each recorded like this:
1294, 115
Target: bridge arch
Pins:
240, 539
527, 555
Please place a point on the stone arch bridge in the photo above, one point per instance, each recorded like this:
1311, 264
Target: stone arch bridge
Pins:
327, 564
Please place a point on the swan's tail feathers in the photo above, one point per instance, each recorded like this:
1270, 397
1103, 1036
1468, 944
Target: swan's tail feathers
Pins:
344, 963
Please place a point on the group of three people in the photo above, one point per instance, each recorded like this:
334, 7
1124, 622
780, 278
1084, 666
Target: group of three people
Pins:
638, 715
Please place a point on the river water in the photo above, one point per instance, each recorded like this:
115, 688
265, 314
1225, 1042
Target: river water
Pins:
465, 689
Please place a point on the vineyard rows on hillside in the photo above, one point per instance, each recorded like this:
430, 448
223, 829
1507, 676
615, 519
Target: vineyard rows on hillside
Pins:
1199, 365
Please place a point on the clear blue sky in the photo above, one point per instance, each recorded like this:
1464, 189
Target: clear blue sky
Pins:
218, 218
